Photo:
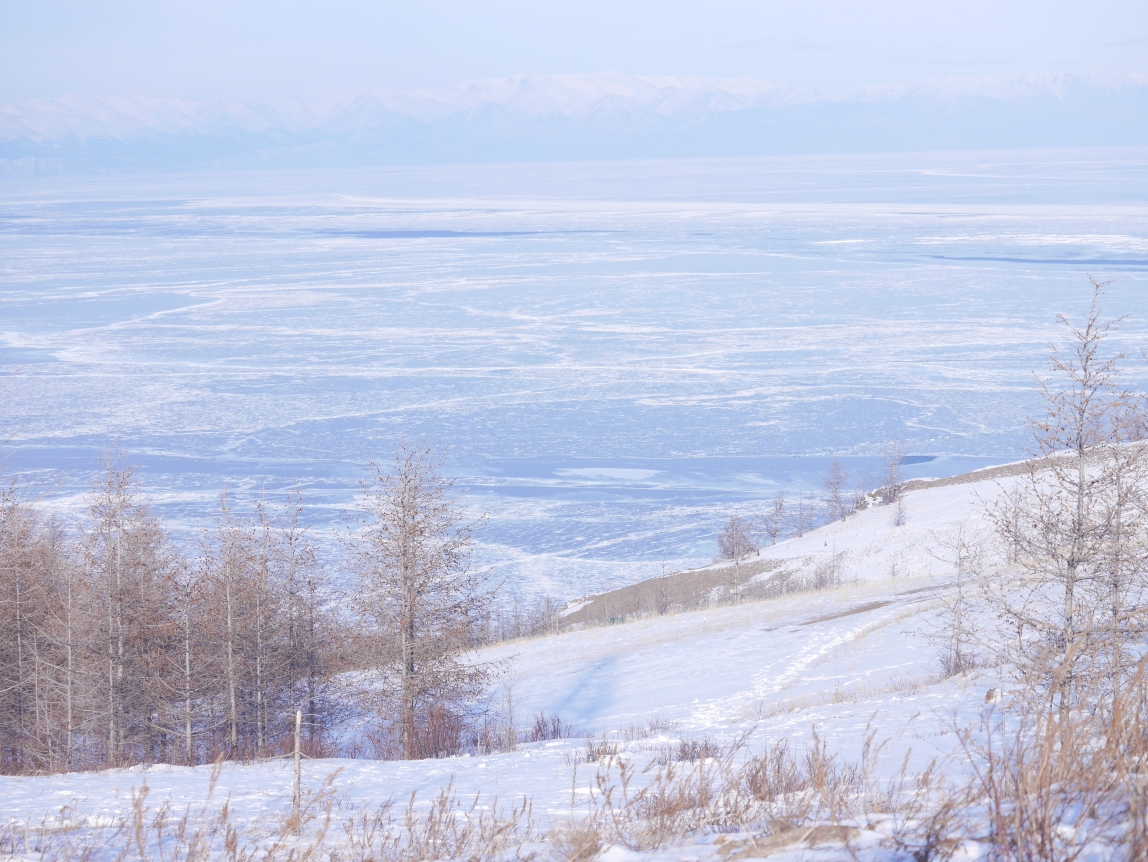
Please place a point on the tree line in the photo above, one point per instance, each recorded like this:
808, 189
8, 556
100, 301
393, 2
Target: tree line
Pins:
122, 647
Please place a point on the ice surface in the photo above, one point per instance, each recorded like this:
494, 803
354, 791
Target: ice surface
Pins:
620, 355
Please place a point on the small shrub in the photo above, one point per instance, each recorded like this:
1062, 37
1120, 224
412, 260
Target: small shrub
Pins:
690, 751
575, 842
493, 733
656, 726
549, 726
956, 662
597, 749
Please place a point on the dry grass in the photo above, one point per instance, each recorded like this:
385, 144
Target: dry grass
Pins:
598, 748
449, 830
1039, 790
1065, 790
725, 792
700, 589
689, 751
209, 833
703, 788
656, 726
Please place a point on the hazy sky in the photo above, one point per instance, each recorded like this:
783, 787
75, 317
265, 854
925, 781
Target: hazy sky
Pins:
258, 49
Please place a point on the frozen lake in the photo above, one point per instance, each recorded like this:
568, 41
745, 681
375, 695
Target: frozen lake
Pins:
619, 355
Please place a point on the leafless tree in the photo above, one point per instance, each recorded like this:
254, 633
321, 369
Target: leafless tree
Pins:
120, 651
127, 560
859, 496
311, 637
735, 541
892, 484
1080, 539
773, 519
418, 595
834, 485
803, 515
900, 514
517, 619
957, 633
229, 563
65, 592
31, 658
265, 627
186, 680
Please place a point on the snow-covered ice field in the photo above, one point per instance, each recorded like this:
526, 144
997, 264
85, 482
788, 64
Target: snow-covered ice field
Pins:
620, 355
843, 662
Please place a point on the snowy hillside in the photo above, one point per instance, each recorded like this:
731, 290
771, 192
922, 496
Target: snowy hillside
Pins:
841, 662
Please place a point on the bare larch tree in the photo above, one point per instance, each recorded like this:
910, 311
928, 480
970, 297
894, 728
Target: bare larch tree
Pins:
1074, 523
127, 560
735, 542
834, 485
419, 595
773, 518
892, 484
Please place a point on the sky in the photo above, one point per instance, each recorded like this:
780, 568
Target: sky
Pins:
214, 49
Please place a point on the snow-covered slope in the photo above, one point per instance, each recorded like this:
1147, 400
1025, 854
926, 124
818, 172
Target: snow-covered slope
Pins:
843, 661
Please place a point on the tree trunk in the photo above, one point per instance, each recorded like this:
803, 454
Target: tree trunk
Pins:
187, 741
69, 673
234, 709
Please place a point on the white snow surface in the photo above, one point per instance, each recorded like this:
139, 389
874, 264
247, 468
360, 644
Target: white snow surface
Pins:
842, 662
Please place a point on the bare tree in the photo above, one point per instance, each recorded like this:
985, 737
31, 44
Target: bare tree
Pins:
307, 637
228, 563
1080, 537
735, 541
30, 657
802, 516
773, 519
892, 485
262, 627
517, 620
66, 592
187, 585
859, 496
127, 560
418, 594
119, 651
957, 632
1124, 560
834, 485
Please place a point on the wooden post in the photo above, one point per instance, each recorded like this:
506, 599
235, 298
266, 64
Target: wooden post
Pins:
296, 804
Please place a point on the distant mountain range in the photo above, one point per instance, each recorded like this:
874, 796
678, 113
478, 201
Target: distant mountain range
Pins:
547, 117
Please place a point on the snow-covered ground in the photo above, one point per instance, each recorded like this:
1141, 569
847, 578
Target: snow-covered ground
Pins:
844, 662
